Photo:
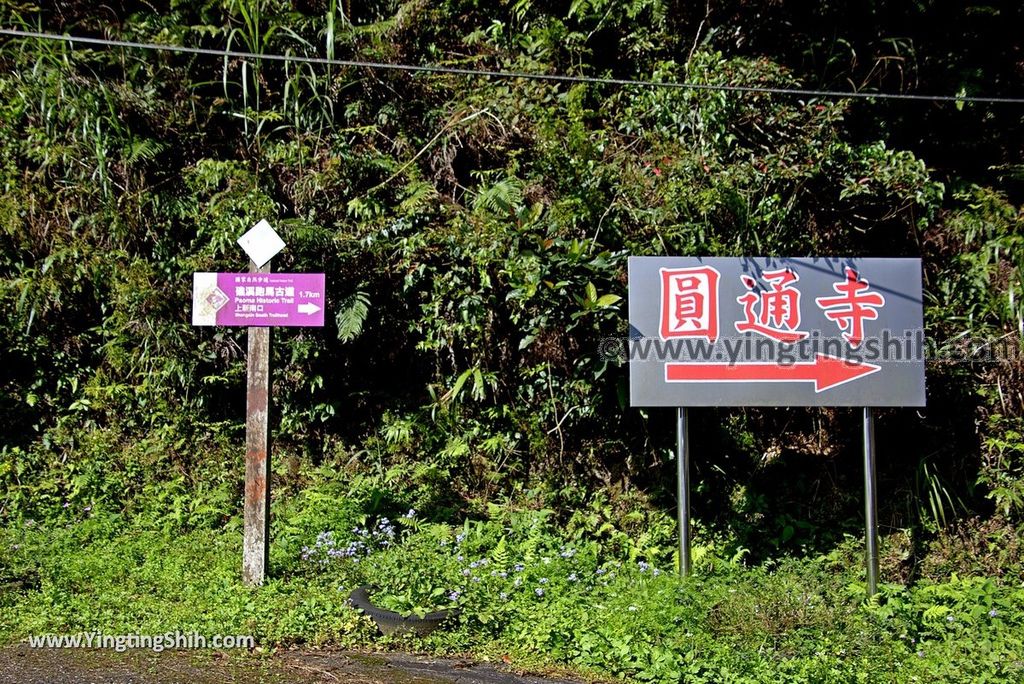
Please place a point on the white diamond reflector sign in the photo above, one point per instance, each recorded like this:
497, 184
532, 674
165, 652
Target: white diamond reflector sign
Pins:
261, 243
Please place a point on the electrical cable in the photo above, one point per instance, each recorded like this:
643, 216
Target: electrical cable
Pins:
483, 73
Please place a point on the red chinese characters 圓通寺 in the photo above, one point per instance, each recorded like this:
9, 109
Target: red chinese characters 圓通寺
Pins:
852, 306
689, 302
775, 312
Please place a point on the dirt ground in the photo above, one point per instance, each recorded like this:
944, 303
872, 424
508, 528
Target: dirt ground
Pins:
23, 665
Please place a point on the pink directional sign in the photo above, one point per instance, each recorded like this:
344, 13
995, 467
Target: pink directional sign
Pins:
258, 299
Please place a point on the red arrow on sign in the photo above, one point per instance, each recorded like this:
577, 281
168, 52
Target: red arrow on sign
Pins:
825, 372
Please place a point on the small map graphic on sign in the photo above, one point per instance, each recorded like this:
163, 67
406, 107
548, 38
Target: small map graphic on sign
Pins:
689, 302
207, 299
217, 299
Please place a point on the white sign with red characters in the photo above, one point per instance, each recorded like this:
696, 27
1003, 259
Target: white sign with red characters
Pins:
689, 300
762, 331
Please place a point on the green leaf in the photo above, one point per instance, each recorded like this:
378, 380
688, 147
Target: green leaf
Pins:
352, 315
453, 393
478, 384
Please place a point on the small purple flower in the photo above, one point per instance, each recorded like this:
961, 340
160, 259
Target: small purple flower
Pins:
572, 577
466, 572
411, 514
993, 612
460, 537
87, 509
538, 591
518, 582
950, 618
567, 553
454, 596
543, 580
599, 571
643, 566
385, 529
503, 596
518, 567
476, 580
66, 504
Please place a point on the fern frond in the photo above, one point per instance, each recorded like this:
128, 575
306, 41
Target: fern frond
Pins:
352, 315
142, 150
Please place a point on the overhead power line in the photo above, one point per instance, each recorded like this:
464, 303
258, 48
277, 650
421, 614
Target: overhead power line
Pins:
484, 73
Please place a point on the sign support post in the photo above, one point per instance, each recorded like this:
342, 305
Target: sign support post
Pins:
256, 535
683, 493
258, 300
870, 502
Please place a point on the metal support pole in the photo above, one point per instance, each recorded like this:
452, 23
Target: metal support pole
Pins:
256, 535
870, 502
683, 493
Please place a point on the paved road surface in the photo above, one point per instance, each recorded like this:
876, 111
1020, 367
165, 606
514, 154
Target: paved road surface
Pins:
22, 665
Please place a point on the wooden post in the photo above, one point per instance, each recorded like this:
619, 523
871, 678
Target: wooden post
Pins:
256, 536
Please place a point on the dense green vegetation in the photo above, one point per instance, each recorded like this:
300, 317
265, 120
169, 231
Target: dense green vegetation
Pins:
530, 589
474, 232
